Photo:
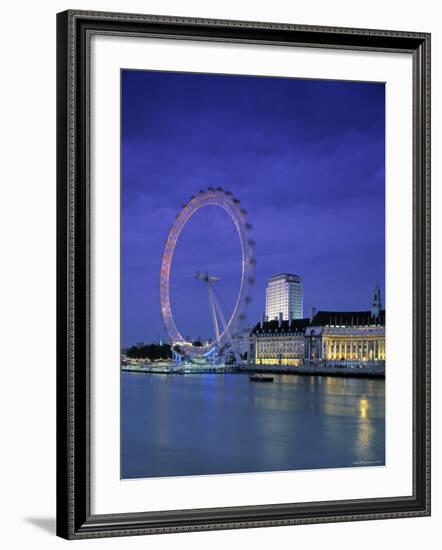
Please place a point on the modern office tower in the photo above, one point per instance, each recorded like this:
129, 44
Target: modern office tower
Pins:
284, 295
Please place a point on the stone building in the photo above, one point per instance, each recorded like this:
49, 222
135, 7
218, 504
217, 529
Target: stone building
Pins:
335, 338
278, 342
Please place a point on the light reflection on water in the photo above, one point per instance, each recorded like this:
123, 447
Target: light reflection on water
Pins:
207, 424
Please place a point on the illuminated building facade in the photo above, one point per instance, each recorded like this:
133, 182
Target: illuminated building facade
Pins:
334, 338
350, 336
278, 342
284, 295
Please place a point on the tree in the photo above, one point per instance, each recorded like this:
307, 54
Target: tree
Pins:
149, 351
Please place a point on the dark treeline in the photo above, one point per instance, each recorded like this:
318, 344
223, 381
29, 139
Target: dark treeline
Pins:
149, 351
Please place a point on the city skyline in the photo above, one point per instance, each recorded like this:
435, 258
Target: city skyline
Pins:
371, 306
311, 178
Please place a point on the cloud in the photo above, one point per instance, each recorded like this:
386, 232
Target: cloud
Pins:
305, 157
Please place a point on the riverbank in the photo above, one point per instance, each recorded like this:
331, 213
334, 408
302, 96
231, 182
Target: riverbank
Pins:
187, 369
319, 370
370, 371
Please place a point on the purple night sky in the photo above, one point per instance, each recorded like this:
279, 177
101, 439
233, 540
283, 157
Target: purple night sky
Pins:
306, 158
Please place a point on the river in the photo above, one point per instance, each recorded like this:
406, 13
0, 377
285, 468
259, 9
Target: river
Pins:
175, 425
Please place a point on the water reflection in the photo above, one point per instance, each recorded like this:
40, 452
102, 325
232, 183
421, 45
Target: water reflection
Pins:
363, 408
201, 424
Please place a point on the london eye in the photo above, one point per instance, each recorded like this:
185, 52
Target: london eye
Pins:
225, 325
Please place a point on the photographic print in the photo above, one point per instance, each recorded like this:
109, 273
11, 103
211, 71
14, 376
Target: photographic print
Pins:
238, 205
253, 274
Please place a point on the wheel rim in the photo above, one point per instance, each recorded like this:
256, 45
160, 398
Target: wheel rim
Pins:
224, 200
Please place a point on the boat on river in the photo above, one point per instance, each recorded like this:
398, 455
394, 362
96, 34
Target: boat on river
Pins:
260, 378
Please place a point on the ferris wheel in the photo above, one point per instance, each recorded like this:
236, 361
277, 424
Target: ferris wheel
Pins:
226, 325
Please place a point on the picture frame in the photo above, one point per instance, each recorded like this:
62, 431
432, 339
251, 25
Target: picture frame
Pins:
75, 519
